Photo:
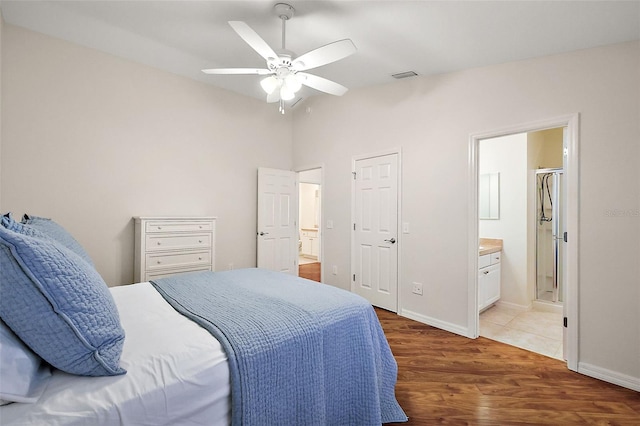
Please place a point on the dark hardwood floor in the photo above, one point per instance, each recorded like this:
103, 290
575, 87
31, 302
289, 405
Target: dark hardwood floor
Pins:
310, 271
448, 379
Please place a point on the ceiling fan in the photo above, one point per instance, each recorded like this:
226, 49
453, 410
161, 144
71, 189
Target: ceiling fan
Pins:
285, 72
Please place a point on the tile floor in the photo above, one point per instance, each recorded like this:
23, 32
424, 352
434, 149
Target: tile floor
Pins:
304, 260
536, 331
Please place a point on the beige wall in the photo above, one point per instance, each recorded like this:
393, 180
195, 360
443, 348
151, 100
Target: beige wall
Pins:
431, 118
507, 155
309, 204
545, 149
92, 140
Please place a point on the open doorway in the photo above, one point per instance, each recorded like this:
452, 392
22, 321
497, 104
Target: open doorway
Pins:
520, 283
569, 269
309, 224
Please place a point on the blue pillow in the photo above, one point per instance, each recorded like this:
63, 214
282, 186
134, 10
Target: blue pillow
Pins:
52, 230
59, 305
23, 374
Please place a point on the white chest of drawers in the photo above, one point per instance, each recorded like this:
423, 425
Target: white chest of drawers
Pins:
166, 246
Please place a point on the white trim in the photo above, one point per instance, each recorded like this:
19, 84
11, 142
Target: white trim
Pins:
542, 306
473, 313
354, 159
513, 306
434, 322
322, 210
614, 377
572, 122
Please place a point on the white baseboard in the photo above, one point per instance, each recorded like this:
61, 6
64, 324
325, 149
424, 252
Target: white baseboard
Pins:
447, 326
514, 306
547, 307
614, 377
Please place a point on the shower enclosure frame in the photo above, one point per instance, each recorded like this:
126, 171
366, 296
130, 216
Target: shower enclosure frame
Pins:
555, 197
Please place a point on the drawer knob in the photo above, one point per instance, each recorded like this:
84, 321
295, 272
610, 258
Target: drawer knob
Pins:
485, 272
199, 241
200, 258
159, 227
158, 262
158, 242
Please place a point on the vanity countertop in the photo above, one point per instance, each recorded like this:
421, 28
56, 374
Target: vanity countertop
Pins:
489, 245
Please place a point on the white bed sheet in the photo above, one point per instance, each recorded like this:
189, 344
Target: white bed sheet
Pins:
177, 374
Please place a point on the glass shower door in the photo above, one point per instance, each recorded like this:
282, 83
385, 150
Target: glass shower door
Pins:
549, 235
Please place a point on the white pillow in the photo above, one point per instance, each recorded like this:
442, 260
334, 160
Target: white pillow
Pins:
23, 374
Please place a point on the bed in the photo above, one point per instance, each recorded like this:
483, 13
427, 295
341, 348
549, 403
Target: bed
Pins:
176, 374
244, 347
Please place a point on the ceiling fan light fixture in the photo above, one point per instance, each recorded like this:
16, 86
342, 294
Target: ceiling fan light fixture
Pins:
270, 84
286, 94
292, 83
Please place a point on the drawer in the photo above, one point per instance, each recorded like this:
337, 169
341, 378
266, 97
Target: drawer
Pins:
178, 226
155, 261
484, 261
161, 274
157, 242
495, 257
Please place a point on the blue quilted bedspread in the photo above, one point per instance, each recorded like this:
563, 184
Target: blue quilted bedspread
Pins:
300, 352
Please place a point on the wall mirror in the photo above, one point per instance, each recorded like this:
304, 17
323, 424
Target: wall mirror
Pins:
489, 196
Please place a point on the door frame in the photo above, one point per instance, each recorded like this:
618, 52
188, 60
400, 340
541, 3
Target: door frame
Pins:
298, 170
354, 159
572, 123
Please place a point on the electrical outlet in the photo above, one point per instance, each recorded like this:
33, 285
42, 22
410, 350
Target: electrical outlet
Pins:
334, 270
417, 289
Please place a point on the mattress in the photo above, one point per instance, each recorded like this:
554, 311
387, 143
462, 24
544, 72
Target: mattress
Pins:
177, 374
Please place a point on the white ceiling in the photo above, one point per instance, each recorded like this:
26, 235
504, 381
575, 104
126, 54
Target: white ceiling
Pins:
428, 37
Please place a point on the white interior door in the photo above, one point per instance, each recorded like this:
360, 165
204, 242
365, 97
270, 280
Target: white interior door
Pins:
375, 231
277, 228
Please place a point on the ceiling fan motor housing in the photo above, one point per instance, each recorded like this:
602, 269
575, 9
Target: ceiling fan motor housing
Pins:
283, 11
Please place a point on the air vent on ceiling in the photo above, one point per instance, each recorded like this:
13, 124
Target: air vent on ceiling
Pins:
404, 74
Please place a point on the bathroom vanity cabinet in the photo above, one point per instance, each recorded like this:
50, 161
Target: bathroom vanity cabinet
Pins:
488, 279
310, 245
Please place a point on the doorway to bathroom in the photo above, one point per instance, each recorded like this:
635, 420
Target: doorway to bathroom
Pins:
508, 198
309, 224
525, 286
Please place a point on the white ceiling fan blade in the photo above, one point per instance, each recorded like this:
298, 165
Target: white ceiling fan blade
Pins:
253, 39
258, 71
321, 84
324, 55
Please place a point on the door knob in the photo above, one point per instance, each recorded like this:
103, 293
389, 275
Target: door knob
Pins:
263, 233
392, 241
